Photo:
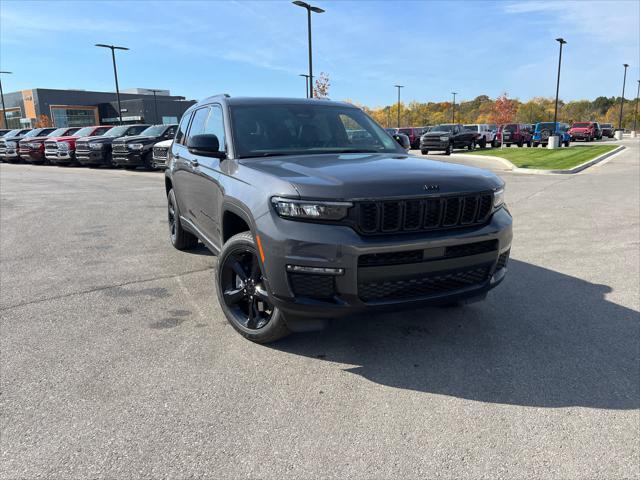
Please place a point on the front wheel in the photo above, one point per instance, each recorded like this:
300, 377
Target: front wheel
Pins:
449, 149
566, 144
424, 152
242, 292
535, 144
472, 145
483, 142
494, 143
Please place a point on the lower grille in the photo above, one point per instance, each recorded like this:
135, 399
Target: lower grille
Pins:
471, 248
321, 287
160, 152
424, 286
502, 260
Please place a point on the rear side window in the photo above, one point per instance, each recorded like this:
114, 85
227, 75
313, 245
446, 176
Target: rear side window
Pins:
182, 128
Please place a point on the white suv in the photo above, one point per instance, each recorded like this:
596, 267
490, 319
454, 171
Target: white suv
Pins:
486, 133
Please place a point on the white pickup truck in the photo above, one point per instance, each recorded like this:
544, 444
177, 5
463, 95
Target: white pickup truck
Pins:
486, 133
160, 152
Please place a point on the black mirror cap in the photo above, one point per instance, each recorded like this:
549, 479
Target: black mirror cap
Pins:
403, 140
207, 145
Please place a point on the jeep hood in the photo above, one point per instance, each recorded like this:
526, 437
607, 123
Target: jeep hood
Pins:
360, 176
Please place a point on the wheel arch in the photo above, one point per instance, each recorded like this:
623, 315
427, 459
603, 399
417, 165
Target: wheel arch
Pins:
235, 219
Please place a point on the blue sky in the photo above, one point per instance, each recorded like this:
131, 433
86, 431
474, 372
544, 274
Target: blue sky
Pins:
258, 48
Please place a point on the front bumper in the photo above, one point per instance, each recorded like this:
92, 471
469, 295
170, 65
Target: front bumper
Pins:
361, 287
31, 156
129, 159
93, 157
433, 145
11, 155
61, 156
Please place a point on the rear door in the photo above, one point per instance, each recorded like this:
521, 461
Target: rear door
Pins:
180, 166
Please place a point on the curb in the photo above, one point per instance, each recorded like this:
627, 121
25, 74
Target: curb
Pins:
536, 171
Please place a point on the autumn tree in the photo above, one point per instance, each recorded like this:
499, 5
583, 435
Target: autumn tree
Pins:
504, 110
43, 121
321, 88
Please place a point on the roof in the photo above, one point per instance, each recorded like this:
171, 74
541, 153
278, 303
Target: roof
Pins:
224, 98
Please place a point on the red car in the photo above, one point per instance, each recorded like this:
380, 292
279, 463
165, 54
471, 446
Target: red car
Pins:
586, 131
517, 133
61, 149
414, 134
31, 149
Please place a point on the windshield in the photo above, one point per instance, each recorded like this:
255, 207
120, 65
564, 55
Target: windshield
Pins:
35, 133
547, 126
84, 132
511, 128
606, 125
473, 128
154, 131
581, 125
289, 129
117, 131
58, 132
442, 128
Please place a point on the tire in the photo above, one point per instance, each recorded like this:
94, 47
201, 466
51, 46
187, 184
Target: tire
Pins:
535, 144
243, 295
529, 144
180, 238
449, 149
520, 143
508, 145
472, 146
494, 143
483, 142
148, 159
566, 144
424, 152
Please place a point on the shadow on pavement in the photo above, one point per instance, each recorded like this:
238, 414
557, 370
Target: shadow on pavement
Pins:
541, 339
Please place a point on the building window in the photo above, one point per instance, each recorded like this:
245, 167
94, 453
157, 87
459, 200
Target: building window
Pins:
169, 120
73, 116
14, 115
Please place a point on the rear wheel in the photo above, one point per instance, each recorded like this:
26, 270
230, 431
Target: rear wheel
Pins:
242, 292
180, 238
424, 152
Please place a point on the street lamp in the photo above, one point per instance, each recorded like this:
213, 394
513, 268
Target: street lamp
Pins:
113, 48
155, 102
4, 110
453, 111
624, 81
635, 111
562, 41
306, 84
309, 9
399, 87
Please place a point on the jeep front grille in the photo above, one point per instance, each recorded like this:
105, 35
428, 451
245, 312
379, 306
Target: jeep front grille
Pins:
412, 215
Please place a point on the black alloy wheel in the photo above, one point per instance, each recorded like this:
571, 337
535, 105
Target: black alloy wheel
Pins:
243, 289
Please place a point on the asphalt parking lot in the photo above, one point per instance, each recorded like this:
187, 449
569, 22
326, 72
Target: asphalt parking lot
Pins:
116, 361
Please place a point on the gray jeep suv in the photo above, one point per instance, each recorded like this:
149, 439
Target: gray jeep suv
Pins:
310, 223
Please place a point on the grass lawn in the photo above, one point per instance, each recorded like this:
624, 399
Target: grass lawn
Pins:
542, 158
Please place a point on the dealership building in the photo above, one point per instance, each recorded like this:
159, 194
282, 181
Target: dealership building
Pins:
78, 108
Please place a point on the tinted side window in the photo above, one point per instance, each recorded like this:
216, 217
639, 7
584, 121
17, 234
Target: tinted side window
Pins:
170, 132
182, 128
215, 125
198, 123
135, 130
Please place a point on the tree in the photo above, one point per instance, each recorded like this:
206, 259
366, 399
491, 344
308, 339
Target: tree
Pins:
321, 88
504, 110
43, 121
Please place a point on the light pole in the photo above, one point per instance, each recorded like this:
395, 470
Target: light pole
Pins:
306, 84
399, 87
155, 103
113, 48
309, 9
4, 110
453, 111
555, 110
635, 111
624, 81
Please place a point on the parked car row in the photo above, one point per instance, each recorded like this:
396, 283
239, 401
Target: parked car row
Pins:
128, 146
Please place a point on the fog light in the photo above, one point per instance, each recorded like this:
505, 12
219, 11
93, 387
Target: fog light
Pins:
315, 270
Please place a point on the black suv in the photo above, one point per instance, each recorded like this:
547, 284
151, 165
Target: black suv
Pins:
447, 137
137, 151
309, 226
96, 150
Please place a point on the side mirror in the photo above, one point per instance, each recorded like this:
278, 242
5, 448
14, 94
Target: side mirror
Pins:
403, 140
206, 145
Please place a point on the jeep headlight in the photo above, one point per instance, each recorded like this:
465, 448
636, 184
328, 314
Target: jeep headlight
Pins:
135, 146
310, 209
95, 146
444, 138
498, 198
